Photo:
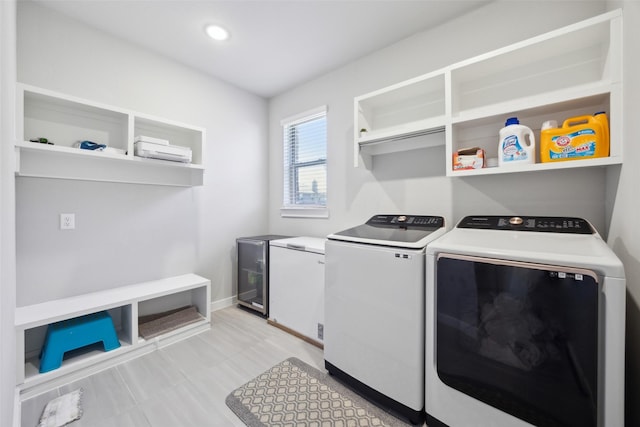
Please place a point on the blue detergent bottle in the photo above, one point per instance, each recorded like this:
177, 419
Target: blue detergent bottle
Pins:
517, 144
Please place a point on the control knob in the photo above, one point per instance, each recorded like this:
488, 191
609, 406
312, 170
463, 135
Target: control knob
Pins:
516, 220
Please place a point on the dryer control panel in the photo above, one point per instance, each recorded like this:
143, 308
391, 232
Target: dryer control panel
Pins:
548, 224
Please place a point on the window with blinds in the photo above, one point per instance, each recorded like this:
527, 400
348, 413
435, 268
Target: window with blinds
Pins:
305, 160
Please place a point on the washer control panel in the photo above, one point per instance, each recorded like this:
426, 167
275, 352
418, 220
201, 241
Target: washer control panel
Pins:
548, 224
406, 221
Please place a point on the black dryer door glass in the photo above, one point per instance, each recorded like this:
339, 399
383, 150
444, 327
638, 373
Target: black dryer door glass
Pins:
520, 337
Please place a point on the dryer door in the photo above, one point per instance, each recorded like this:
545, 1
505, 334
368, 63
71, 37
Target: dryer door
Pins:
520, 337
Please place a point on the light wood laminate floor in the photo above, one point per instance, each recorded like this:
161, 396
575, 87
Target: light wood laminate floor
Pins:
184, 384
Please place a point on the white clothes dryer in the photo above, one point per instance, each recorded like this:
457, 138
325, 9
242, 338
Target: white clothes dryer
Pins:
374, 309
525, 325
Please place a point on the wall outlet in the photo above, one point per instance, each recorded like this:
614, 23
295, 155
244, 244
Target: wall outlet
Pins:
320, 331
67, 221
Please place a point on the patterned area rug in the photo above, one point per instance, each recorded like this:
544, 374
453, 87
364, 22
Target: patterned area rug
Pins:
293, 393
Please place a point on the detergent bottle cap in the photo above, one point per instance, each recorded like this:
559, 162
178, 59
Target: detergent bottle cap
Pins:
549, 124
600, 112
512, 121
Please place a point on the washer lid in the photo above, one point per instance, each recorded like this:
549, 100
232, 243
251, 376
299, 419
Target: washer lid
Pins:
406, 231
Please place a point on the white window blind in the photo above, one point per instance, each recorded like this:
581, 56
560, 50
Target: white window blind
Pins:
305, 160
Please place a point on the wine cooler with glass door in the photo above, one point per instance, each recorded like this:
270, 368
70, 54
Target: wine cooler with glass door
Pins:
253, 272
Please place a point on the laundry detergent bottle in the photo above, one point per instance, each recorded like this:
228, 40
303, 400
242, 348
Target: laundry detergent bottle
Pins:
601, 117
582, 137
517, 144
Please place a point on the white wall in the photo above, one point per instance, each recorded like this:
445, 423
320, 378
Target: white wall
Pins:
130, 233
7, 212
624, 236
120, 237
414, 182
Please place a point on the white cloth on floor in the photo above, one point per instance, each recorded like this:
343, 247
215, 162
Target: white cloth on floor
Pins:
62, 410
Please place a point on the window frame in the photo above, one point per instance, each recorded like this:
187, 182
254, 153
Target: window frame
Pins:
293, 210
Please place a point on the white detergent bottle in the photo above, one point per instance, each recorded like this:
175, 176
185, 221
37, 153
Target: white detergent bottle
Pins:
517, 144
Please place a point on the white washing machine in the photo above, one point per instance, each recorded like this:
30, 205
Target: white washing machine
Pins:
374, 309
525, 325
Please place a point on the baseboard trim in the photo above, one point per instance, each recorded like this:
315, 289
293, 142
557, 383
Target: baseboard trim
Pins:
223, 303
296, 334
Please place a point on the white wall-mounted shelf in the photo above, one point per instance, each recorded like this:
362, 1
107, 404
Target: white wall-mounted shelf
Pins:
125, 304
66, 120
571, 71
597, 162
404, 116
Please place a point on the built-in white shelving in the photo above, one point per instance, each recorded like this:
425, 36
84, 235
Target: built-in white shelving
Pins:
407, 115
125, 305
572, 71
67, 120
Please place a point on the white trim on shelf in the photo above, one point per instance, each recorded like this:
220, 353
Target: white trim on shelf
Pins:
34, 159
380, 112
569, 164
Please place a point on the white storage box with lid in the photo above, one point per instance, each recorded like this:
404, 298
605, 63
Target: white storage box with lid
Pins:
296, 295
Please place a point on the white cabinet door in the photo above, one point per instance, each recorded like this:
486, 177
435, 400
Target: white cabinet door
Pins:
296, 291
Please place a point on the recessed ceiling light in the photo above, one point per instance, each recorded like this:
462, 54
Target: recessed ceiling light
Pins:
216, 32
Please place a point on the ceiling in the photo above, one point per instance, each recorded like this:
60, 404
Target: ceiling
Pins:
275, 44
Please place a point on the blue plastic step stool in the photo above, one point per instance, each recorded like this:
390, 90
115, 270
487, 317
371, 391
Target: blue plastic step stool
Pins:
76, 333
